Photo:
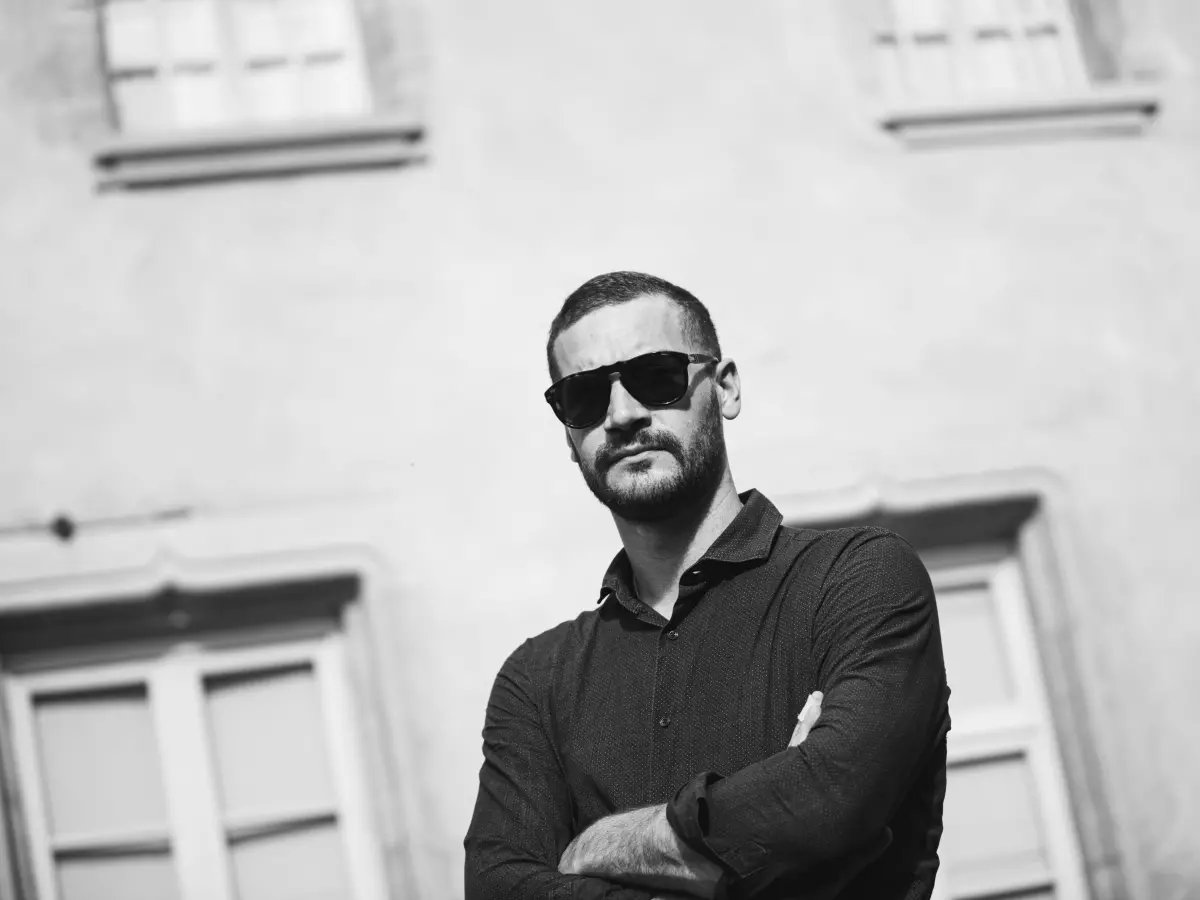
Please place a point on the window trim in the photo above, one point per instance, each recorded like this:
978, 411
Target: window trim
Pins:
175, 693
371, 138
229, 552
1027, 511
1025, 730
1107, 105
1116, 109
207, 155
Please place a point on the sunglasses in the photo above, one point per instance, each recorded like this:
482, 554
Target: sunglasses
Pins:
652, 379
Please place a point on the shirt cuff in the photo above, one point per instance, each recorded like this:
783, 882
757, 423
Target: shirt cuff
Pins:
688, 815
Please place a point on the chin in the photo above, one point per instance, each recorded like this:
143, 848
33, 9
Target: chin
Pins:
645, 478
650, 494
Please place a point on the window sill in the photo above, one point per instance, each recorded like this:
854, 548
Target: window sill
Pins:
1125, 110
183, 157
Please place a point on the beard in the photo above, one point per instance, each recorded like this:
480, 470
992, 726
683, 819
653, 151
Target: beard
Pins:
654, 498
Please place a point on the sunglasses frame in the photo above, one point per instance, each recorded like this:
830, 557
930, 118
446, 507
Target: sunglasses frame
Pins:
619, 368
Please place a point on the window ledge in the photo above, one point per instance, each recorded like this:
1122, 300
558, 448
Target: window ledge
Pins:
192, 156
1125, 110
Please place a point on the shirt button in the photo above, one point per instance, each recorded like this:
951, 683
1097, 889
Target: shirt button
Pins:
672, 635
664, 721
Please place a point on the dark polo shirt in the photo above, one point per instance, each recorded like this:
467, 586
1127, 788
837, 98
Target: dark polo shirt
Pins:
621, 708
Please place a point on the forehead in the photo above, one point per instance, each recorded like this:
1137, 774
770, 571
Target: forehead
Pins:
613, 333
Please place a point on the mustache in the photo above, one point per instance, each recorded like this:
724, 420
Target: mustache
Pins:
611, 452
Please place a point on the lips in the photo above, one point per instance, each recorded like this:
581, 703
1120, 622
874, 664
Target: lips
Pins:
633, 456
625, 454
628, 453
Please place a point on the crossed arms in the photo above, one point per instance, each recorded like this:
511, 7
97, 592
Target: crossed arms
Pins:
805, 809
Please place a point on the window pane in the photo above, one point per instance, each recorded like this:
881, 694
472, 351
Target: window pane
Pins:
269, 742
931, 68
984, 13
923, 16
977, 666
307, 864
259, 29
134, 877
891, 69
270, 92
130, 35
141, 103
332, 87
1046, 52
191, 27
100, 764
996, 69
199, 99
318, 26
993, 827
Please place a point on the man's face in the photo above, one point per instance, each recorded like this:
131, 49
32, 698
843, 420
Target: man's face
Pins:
645, 464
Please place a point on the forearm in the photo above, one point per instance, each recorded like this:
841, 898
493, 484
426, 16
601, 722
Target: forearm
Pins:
639, 847
525, 880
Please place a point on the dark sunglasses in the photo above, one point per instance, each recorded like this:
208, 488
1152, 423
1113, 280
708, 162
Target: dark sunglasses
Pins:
652, 379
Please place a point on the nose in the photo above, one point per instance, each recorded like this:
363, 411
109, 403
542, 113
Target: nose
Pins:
625, 413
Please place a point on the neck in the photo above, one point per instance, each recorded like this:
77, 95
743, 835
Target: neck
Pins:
660, 552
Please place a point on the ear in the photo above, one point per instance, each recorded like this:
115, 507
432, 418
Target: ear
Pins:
729, 388
571, 445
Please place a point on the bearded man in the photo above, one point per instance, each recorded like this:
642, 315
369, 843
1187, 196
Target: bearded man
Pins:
649, 748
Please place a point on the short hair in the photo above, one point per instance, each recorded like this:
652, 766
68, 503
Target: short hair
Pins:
621, 287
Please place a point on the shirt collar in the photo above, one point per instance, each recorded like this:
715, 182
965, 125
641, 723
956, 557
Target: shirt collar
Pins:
747, 539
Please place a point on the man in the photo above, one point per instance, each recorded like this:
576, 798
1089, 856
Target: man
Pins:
646, 748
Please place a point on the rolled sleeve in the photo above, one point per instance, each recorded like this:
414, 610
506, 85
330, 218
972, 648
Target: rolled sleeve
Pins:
687, 814
880, 666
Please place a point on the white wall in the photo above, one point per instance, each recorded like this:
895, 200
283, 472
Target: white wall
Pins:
379, 336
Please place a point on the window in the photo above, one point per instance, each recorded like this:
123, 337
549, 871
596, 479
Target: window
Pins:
200, 772
1026, 812
178, 64
995, 64
940, 51
204, 89
1008, 825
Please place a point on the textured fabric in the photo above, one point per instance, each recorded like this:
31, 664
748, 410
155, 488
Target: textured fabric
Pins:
621, 708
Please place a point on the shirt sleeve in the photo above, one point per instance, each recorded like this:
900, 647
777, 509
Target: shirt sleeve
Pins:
522, 821
878, 658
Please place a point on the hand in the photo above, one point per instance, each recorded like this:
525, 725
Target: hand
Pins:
573, 862
807, 718
639, 847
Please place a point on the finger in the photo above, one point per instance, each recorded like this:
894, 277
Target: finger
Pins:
811, 715
807, 718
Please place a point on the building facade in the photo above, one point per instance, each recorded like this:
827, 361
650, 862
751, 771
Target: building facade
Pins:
279, 493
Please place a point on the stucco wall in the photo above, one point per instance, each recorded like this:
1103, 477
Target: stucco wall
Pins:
896, 315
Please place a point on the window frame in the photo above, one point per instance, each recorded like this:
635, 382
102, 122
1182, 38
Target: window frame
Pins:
175, 689
1027, 513
229, 65
1106, 104
220, 556
194, 157
1023, 730
390, 134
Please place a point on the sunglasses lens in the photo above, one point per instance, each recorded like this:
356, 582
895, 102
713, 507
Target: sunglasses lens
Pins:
582, 399
657, 379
